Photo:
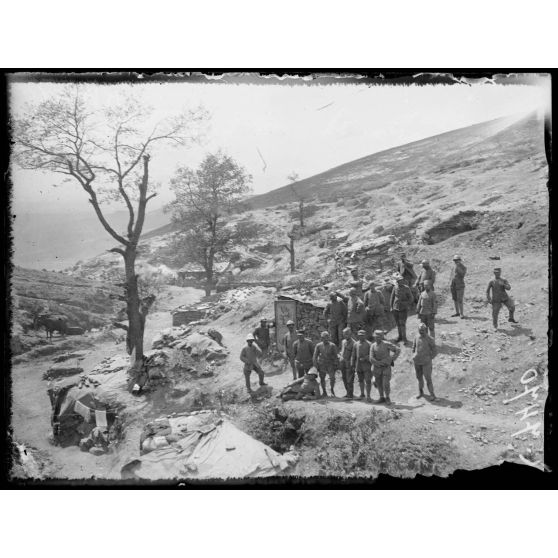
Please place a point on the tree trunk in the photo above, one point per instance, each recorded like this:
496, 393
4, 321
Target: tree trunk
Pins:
292, 252
136, 322
301, 211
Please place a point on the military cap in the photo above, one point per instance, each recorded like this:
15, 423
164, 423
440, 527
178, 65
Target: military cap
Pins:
324, 334
497, 269
352, 290
427, 282
347, 330
249, 337
456, 257
398, 277
290, 322
263, 320
312, 371
361, 332
372, 283
425, 262
378, 332
354, 270
301, 330
422, 326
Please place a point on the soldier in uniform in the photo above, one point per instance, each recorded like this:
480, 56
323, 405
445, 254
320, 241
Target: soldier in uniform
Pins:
356, 282
457, 285
356, 314
498, 287
427, 307
424, 350
426, 274
406, 270
262, 337
360, 362
249, 356
347, 370
382, 359
303, 351
306, 388
400, 302
374, 304
287, 345
326, 362
335, 315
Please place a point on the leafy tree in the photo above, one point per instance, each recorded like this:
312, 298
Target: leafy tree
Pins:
107, 153
204, 199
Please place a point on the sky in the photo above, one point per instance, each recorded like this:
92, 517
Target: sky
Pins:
275, 129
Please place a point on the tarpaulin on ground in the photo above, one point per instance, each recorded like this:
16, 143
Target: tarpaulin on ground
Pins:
203, 446
78, 406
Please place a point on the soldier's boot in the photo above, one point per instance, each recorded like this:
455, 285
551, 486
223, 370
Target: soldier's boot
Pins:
404, 334
399, 338
381, 391
368, 389
332, 384
361, 386
461, 313
324, 392
456, 304
511, 317
387, 390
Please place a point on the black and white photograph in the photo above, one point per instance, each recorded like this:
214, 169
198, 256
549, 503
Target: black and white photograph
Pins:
253, 277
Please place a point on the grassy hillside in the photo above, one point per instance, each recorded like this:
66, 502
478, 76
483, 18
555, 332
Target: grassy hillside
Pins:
432, 156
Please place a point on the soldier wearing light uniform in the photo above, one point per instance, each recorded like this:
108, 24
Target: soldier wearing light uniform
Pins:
360, 362
382, 360
498, 287
356, 282
374, 304
424, 351
457, 285
400, 302
335, 315
303, 350
427, 307
347, 370
287, 345
326, 362
356, 314
426, 274
249, 356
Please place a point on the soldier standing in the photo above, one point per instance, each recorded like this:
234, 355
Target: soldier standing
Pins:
400, 302
457, 285
347, 370
426, 274
287, 346
335, 315
424, 350
326, 362
356, 314
382, 360
360, 362
249, 356
427, 307
356, 282
498, 286
406, 270
374, 304
303, 351
262, 337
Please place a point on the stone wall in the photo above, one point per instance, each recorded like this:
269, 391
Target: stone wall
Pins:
311, 318
183, 317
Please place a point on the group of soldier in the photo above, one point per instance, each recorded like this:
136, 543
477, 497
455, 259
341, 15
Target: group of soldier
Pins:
355, 344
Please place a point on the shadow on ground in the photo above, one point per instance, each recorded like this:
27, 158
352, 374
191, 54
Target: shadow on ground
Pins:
443, 402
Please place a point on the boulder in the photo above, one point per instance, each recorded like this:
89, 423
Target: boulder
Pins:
202, 346
61, 371
215, 335
79, 355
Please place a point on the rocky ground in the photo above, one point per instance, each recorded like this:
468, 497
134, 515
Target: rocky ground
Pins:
486, 201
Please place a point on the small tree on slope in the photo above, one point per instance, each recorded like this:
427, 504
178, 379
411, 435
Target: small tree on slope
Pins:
204, 199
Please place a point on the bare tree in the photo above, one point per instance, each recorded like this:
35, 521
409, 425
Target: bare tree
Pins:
107, 153
293, 177
291, 249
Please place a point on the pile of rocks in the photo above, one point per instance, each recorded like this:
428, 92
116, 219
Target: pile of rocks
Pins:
112, 364
171, 337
